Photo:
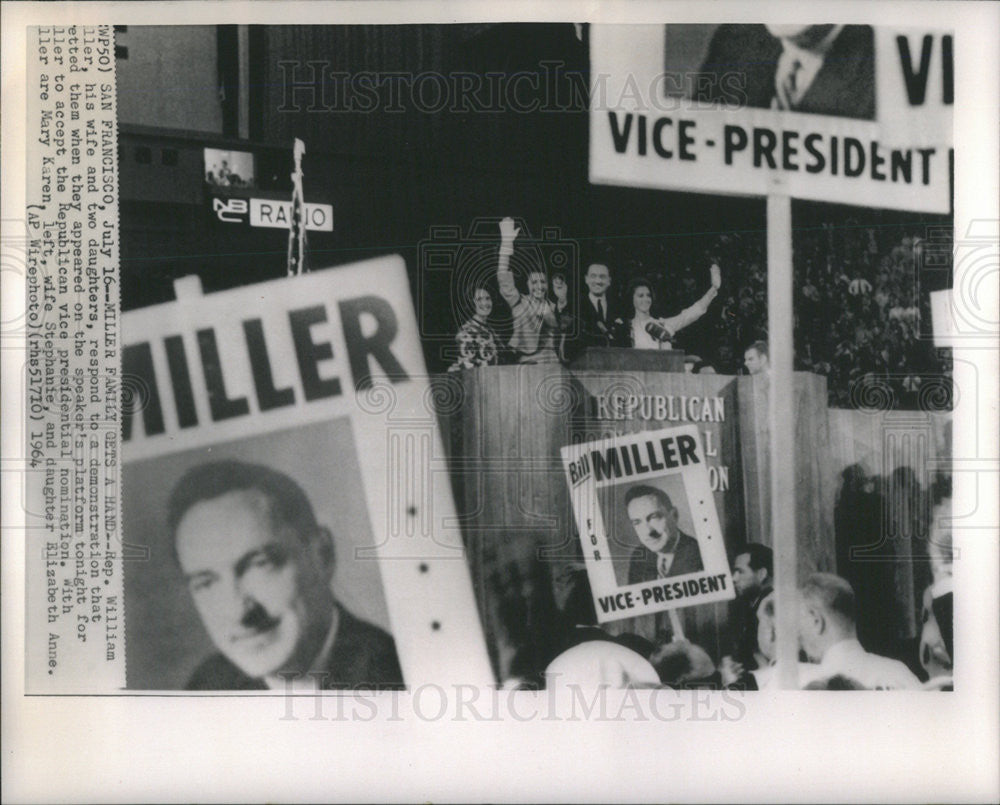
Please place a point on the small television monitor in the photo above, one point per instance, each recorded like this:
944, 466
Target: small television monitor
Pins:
229, 168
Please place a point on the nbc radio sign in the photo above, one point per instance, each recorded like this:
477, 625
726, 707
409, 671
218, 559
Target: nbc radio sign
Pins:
270, 213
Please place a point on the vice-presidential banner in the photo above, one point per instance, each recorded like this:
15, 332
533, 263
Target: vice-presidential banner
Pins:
647, 522
838, 113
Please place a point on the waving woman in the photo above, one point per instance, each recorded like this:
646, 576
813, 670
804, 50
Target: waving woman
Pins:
644, 331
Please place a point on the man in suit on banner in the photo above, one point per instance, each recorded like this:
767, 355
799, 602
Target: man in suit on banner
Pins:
259, 568
816, 69
665, 550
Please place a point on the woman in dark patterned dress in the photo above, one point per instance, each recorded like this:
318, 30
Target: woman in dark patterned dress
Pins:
478, 343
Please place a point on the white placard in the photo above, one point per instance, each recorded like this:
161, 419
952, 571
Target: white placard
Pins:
690, 107
635, 496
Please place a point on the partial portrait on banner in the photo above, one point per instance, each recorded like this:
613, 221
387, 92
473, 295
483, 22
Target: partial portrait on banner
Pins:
291, 400
844, 113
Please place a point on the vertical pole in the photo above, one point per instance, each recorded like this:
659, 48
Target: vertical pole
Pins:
675, 624
243, 60
781, 405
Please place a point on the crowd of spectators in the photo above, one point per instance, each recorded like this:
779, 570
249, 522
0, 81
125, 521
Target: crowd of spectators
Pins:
862, 318
835, 650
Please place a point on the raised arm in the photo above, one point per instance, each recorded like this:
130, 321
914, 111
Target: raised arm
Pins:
691, 314
508, 290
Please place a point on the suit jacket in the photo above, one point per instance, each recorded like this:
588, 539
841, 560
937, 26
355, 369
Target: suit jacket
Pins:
362, 656
744, 619
590, 333
687, 559
844, 85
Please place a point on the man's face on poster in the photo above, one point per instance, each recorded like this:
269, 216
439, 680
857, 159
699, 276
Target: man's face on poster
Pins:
655, 522
262, 591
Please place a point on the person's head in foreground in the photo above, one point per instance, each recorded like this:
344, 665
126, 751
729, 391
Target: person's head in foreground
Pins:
826, 614
767, 632
681, 662
835, 682
257, 564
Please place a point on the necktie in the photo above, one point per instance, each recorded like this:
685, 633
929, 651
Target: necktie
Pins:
786, 85
600, 308
664, 563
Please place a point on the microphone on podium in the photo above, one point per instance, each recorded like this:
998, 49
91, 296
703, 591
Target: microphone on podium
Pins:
658, 331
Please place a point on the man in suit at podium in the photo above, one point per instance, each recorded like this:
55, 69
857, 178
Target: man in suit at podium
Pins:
596, 311
665, 550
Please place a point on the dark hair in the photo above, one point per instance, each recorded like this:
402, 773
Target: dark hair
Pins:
596, 253
765, 609
680, 662
552, 277
759, 346
673, 666
635, 284
476, 288
289, 503
760, 557
643, 491
578, 610
835, 682
638, 644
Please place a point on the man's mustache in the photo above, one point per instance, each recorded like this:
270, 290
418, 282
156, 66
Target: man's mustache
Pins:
258, 619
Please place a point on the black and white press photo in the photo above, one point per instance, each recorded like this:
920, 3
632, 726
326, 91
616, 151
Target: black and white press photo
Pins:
388, 364
468, 273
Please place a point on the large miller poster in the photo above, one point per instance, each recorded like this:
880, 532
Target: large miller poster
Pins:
299, 397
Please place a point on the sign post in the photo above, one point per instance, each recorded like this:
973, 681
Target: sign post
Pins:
694, 108
781, 408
